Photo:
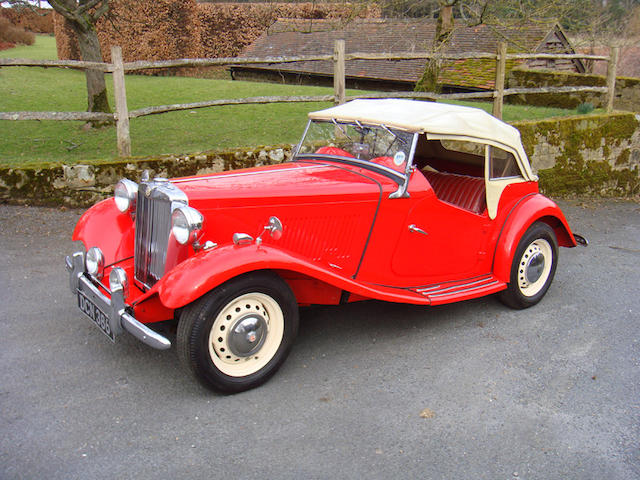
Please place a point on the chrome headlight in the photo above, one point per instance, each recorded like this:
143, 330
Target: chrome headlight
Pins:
186, 224
118, 279
125, 195
94, 262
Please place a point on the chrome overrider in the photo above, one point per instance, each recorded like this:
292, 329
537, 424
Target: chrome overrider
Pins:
114, 307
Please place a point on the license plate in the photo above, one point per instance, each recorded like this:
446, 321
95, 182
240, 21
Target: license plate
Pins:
98, 317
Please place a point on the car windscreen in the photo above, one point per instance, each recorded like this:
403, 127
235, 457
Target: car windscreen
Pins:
377, 144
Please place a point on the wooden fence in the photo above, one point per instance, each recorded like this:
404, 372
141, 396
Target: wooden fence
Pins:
339, 57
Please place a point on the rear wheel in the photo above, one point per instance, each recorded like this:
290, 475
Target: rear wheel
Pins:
533, 267
237, 336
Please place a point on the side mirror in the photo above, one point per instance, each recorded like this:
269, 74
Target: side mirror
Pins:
275, 228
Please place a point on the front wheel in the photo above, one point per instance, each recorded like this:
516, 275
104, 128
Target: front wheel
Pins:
534, 265
237, 336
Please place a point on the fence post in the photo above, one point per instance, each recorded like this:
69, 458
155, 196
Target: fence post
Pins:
122, 110
338, 73
501, 70
612, 66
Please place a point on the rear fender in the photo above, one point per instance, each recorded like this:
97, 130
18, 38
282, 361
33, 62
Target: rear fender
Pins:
530, 209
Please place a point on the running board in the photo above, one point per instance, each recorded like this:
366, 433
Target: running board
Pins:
455, 291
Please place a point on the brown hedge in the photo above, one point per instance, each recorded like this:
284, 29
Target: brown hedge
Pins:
11, 34
146, 30
228, 28
166, 29
34, 20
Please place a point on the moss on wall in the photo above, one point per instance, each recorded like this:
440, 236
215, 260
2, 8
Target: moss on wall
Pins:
627, 89
591, 178
83, 185
592, 155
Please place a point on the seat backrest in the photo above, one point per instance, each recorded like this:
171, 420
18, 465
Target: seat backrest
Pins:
460, 190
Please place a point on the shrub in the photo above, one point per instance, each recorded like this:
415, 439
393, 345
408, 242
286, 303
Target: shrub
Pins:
585, 108
12, 34
6, 45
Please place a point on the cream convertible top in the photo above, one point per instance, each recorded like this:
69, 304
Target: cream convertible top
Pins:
434, 119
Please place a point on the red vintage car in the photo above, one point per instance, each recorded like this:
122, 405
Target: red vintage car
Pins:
395, 200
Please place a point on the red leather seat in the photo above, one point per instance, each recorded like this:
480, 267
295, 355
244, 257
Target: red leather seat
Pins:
460, 190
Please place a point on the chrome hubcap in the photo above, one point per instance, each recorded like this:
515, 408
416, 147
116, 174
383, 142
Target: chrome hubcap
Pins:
247, 335
534, 268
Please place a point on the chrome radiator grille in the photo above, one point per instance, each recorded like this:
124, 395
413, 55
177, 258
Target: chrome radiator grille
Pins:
156, 200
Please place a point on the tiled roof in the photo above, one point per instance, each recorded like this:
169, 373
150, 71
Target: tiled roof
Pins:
317, 37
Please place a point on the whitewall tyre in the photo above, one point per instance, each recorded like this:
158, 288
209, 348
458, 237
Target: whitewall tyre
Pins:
236, 337
533, 267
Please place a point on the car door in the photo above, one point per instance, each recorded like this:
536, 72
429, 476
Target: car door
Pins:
440, 242
445, 234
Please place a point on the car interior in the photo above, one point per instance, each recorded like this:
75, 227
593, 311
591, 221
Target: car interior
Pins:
455, 170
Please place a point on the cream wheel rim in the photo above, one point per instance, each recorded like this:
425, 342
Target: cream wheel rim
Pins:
246, 334
534, 267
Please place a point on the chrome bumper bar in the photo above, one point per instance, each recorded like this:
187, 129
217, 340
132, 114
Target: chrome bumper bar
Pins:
114, 307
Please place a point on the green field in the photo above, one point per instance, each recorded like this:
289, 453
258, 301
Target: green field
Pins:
205, 129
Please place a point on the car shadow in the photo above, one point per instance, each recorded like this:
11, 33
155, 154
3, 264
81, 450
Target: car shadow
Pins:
385, 320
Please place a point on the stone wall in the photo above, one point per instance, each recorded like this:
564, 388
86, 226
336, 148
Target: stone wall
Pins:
587, 155
627, 89
84, 185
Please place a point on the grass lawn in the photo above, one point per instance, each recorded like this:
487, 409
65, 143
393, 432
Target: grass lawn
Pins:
40, 89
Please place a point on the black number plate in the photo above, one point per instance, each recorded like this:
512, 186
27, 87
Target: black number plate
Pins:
94, 313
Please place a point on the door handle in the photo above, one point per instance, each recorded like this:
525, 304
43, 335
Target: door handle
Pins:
415, 229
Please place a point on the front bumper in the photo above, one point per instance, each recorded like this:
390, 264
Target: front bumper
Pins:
114, 307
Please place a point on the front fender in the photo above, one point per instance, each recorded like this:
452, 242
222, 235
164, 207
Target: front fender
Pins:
206, 270
532, 208
105, 226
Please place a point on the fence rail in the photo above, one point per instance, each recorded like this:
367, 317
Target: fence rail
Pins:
339, 57
210, 62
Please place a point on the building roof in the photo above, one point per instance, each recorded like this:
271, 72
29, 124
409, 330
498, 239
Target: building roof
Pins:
317, 37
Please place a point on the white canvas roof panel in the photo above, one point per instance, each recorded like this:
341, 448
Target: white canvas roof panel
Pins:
428, 117
424, 117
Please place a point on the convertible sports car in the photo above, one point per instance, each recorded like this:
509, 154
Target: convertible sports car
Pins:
396, 200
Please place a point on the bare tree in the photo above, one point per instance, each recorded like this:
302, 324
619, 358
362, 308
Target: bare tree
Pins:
82, 16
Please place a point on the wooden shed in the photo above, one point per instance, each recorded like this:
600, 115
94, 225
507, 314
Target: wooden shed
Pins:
317, 37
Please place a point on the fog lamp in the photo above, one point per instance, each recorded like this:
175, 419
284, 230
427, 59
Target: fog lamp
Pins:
118, 279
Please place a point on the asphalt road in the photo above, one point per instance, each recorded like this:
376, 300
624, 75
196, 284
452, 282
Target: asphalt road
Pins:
552, 392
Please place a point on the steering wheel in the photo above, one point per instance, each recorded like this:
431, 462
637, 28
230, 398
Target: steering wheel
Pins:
334, 151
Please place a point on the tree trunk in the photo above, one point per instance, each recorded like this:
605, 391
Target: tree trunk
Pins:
90, 52
444, 26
